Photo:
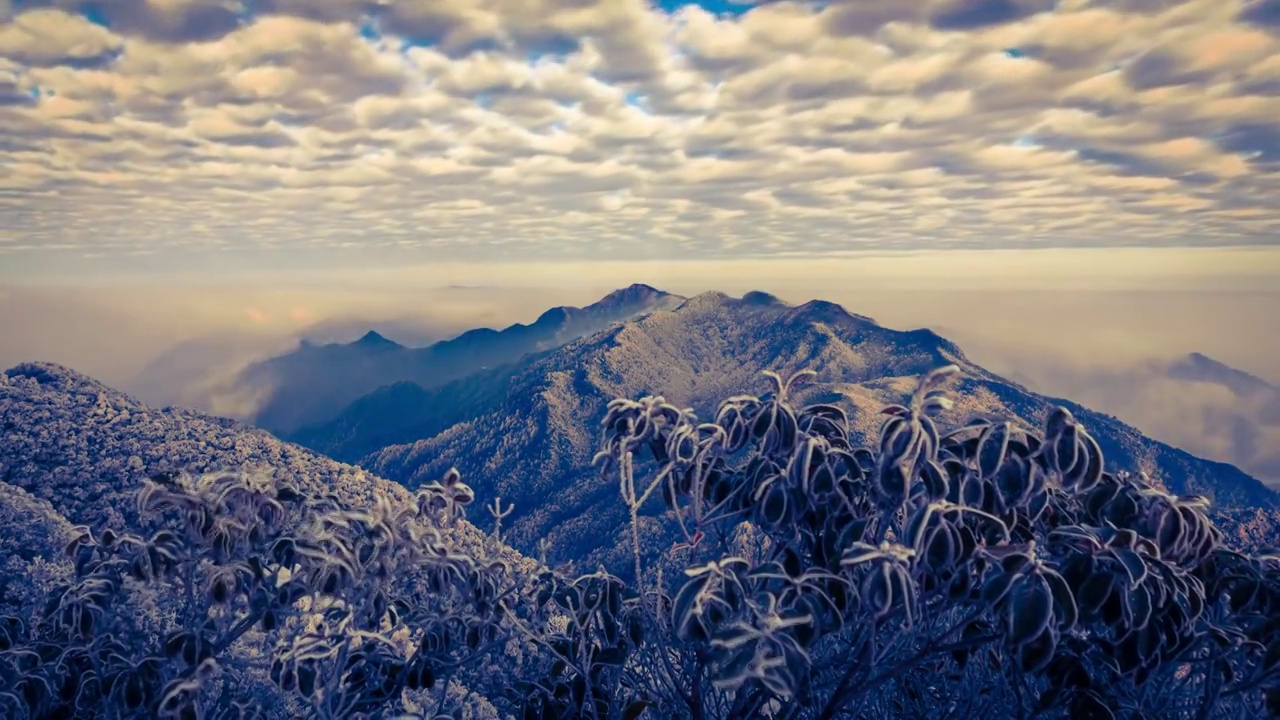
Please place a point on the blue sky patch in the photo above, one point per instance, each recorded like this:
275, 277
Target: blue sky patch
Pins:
94, 14
533, 57
638, 100
413, 42
715, 7
369, 29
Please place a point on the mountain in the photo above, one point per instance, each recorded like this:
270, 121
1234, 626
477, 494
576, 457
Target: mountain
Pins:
76, 451
314, 383
197, 372
1240, 425
1193, 402
404, 412
527, 431
314, 378
372, 341
1197, 367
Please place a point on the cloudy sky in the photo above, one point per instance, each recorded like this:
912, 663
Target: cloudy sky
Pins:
222, 135
1066, 188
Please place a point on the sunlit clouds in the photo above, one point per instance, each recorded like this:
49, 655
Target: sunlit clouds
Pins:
340, 132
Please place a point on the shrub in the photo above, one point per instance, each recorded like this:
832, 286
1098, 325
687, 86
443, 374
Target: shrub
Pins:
249, 599
987, 570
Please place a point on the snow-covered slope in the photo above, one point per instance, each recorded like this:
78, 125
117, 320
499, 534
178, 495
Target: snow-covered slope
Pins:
73, 451
84, 449
527, 431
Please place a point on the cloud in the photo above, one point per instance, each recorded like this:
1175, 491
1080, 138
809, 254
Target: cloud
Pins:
183, 343
1204, 418
47, 36
844, 19
223, 134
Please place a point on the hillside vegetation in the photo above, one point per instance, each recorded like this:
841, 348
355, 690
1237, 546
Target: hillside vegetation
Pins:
987, 570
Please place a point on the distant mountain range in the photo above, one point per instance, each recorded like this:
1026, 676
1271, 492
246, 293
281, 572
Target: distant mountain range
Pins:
199, 372
1249, 427
527, 430
314, 383
1193, 402
525, 427
1197, 367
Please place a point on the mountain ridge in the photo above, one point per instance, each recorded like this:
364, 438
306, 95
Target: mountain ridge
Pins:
531, 435
1192, 401
374, 339
314, 383
1198, 367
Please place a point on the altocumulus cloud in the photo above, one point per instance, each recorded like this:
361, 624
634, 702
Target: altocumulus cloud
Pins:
620, 128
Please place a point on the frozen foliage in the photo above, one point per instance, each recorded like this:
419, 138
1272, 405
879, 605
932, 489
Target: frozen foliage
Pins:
82, 450
264, 602
985, 570
84, 447
32, 535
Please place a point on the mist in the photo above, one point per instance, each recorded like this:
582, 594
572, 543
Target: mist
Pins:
151, 340
1101, 342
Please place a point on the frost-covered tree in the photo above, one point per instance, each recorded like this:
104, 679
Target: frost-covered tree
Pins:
981, 571
248, 598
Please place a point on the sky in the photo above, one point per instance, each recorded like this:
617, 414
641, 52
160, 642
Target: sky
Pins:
157, 137
1070, 189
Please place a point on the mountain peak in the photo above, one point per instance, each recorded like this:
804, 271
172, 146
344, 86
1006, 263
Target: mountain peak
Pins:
52, 375
559, 315
1202, 362
762, 298
1199, 367
710, 298
634, 294
825, 311
373, 339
